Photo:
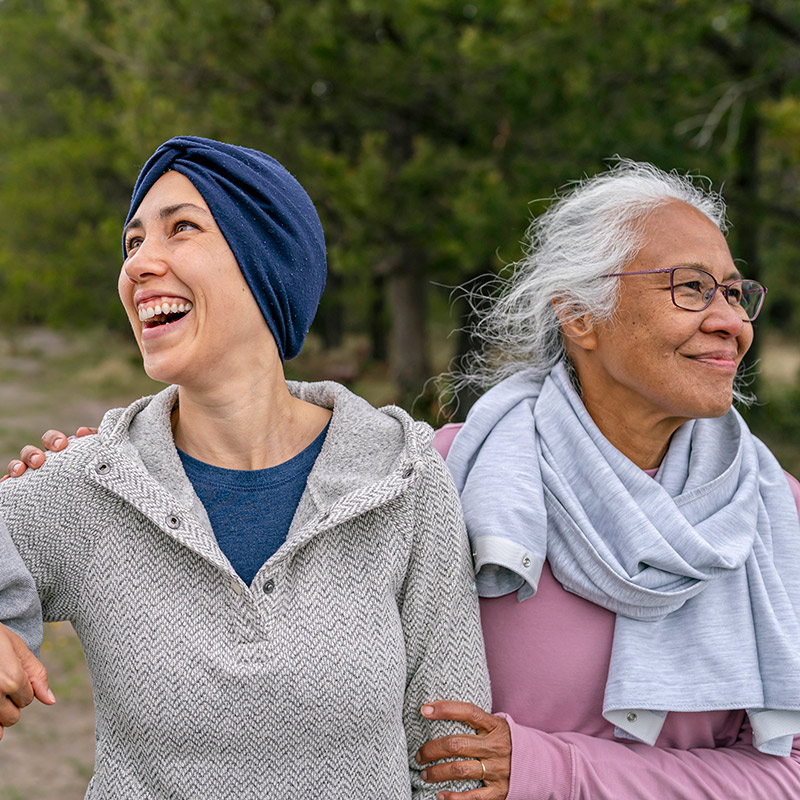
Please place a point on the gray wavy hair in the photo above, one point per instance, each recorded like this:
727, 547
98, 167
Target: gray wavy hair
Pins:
593, 228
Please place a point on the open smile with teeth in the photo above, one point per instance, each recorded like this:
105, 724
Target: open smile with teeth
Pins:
162, 311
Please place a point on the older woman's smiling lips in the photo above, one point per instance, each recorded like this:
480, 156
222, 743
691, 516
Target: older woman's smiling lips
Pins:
724, 360
160, 313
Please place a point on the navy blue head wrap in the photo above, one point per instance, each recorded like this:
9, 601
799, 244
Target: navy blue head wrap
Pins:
267, 219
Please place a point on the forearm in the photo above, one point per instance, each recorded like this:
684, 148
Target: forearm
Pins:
19, 603
568, 766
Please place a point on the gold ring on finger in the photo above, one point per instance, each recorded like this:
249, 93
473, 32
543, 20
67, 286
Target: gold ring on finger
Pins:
483, 769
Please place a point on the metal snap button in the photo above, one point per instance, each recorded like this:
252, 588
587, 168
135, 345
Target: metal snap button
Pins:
103, 468
526, 562
631, 717
408, 472
173, 522
269, 586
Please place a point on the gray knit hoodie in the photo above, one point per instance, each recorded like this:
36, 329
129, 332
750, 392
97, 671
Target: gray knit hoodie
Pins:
305, 684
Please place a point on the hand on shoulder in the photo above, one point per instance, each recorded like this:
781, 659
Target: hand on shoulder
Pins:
33, 457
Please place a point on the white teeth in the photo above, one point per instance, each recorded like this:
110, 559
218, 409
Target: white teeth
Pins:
164, 307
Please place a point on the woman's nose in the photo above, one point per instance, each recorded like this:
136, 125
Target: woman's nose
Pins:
146, 260
722, 317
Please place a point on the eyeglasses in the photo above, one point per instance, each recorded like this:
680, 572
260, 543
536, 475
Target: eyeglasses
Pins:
693, 289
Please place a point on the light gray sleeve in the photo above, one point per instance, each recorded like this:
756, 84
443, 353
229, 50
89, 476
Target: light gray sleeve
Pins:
19, 603
441, 622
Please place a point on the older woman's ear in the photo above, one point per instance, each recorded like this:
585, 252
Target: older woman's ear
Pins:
578, 331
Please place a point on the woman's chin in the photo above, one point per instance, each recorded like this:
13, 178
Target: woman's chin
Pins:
158, 370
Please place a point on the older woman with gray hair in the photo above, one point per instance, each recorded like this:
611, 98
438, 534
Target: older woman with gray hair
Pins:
637, 548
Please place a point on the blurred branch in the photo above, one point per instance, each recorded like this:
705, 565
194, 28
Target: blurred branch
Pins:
708, 123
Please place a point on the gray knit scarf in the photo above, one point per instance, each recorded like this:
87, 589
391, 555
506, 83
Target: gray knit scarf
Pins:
701, 564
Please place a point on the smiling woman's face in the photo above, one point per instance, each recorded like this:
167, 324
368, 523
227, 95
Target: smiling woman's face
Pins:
190, 308
653, 363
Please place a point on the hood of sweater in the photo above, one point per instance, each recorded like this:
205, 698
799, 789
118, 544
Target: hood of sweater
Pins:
368, 457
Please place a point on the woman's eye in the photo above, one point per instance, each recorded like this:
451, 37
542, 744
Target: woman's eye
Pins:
132, 244
690, 286
180, 227
734, 295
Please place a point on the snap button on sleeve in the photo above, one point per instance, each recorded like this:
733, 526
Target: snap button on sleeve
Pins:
173, 522
103, 468
631, 717
526, 562
269, 586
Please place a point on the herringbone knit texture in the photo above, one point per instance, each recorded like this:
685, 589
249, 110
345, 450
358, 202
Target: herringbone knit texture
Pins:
306, 684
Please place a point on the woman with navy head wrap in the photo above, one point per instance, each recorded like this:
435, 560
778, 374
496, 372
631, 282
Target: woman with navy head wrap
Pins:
269, 579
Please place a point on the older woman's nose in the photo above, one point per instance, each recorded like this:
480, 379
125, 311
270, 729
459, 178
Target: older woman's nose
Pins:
722, 317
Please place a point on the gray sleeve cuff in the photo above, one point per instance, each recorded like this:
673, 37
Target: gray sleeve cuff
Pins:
503, 566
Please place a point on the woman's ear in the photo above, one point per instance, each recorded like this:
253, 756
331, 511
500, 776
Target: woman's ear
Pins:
578, 331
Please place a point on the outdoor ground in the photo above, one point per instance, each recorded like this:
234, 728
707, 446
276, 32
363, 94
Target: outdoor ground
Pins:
63, 381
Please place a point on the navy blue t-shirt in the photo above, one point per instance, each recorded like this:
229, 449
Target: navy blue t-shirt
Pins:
251, 510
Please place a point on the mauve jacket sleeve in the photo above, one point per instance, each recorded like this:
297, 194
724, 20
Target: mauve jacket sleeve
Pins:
20, 609
574, 766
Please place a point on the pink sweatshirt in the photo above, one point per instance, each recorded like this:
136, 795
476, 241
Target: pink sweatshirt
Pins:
548, 661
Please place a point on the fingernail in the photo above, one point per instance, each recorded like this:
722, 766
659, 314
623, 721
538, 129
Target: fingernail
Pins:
426, 711
15, 470
50, 696
58, 441
36, 460
424, 774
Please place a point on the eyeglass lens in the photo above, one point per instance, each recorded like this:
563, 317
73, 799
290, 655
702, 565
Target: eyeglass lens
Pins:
693, 289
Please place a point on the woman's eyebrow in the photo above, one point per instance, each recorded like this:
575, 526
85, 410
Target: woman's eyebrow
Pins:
168, 211
165, 213
733, 275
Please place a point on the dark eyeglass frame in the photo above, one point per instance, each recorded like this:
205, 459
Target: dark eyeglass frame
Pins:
717, 285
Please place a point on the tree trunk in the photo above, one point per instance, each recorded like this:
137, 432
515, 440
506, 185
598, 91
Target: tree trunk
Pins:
408, 357
330, 317
378, 320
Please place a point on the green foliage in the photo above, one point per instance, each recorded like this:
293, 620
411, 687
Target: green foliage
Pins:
422, 129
